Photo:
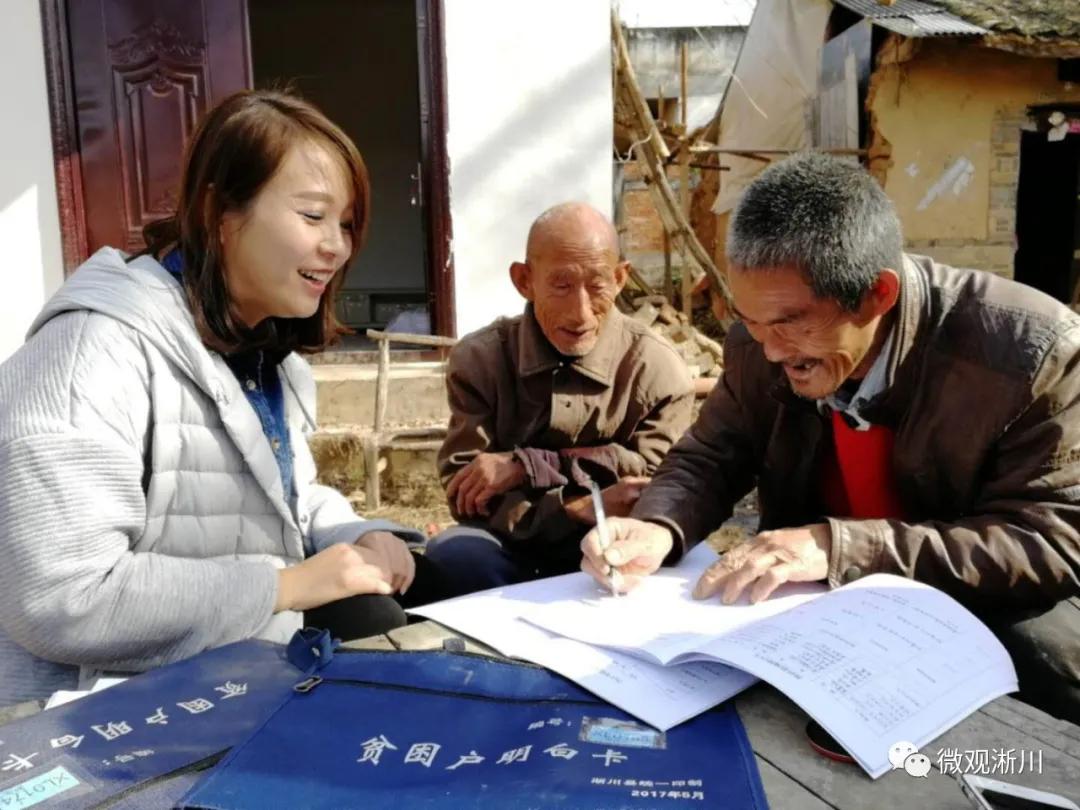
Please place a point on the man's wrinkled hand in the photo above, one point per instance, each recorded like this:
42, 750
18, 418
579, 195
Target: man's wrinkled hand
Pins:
392, 556
487, 475
621, 496
637, 549
767, 562
619, 499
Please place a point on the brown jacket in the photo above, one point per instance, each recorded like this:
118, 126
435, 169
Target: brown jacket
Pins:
614, 412
985, 401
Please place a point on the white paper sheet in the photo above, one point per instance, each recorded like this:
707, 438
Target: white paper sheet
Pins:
661, 696
880, 661
62, 696
659, 620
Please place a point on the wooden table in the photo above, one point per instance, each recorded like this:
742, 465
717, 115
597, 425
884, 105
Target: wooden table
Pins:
796, 777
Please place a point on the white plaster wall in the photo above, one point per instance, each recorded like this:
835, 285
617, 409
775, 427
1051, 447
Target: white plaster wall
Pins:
29, 223
530, 125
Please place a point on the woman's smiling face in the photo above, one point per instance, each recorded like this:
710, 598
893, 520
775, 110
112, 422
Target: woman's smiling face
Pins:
281, 251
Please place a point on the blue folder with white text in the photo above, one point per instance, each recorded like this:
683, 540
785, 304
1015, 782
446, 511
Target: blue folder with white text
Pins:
144, 742
446, 730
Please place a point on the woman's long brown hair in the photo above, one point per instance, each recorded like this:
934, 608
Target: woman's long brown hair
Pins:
234, 152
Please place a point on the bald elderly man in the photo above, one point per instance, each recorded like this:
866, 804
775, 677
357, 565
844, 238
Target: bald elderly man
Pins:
542, 404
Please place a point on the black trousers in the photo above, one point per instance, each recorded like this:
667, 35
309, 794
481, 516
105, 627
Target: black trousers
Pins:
1045, 648
372, 614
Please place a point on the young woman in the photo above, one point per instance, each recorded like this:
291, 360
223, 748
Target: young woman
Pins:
157, 494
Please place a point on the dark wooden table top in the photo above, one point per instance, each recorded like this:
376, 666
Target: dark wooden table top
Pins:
796, 777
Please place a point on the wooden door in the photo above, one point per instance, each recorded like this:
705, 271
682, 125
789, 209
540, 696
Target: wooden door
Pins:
141, 74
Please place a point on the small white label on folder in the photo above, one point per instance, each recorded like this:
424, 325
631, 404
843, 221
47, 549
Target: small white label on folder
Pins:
40, 788
624, 733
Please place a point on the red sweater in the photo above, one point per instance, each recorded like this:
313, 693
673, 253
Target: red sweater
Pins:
857, 479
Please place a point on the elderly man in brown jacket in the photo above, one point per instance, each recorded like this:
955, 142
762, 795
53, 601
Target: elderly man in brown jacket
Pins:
545, 403
896, 416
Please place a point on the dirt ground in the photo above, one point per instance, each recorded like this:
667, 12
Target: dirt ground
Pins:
431, 517
419, 502
424, 510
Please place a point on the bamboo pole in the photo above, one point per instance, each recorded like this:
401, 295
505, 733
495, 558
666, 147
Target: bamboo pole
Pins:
669, 281
705, 148
637, 99
651, 152
684, 169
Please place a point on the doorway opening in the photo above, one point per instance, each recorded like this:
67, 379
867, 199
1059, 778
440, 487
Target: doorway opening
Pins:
147, 69
358, 62
1048, 212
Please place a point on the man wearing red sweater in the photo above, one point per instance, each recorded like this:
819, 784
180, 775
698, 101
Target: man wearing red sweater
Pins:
896, 416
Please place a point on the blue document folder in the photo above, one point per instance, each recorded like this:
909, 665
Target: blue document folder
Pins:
143, 743
445, 730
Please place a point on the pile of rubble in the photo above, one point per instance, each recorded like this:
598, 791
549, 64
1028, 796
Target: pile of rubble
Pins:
702, 354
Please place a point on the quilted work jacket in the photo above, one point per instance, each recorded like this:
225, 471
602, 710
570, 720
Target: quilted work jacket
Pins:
142, 512
984, 397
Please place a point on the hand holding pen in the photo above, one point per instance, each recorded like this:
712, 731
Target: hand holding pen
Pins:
630, 550
602, 534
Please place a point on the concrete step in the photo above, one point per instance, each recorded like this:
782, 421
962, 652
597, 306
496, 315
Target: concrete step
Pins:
346, 394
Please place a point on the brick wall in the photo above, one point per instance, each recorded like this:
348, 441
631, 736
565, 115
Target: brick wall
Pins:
641, 230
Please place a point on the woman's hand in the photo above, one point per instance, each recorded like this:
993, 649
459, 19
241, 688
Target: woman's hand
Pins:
390, 553
337, 572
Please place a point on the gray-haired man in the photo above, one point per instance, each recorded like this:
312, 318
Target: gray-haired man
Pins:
896, 415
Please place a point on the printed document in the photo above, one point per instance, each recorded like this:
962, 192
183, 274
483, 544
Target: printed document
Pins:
661, 696
882, 660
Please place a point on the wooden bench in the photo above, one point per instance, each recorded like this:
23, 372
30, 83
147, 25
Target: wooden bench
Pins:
426, 437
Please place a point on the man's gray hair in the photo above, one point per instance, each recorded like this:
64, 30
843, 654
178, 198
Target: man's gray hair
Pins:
825, 216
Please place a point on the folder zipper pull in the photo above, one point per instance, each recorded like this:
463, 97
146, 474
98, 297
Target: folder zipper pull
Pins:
307, 684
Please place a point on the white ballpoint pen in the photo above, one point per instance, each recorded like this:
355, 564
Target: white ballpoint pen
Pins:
602, 533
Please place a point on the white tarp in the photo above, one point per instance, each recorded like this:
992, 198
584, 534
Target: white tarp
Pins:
775, 77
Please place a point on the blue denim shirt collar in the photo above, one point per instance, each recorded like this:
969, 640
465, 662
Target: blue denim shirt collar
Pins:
257, 373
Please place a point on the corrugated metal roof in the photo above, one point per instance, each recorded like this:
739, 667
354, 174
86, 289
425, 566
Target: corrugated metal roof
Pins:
912, 18
940, 23
901, 8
